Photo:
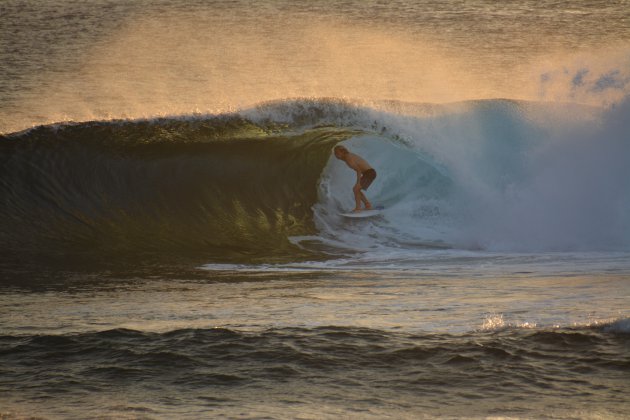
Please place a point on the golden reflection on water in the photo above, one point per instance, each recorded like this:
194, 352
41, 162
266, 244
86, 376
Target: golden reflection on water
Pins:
175, 63
381, 300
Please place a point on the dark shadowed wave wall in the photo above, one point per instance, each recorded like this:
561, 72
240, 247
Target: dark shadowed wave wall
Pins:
224, 187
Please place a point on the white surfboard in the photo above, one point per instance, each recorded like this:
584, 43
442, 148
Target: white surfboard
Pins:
364, 213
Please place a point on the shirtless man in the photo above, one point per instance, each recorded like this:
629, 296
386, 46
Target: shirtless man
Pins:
365, 175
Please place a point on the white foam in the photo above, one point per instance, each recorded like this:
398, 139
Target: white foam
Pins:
497, 175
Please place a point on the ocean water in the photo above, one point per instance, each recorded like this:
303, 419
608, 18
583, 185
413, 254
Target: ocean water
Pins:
171, 244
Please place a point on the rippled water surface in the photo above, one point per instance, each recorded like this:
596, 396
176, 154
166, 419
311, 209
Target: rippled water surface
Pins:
171, 237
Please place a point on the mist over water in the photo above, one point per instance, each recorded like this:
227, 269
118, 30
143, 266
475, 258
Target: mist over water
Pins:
171, 244
68, 61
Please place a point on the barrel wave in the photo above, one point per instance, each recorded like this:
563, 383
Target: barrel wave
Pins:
262, 185
219, 187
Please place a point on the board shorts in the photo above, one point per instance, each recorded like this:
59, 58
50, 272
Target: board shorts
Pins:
366, 178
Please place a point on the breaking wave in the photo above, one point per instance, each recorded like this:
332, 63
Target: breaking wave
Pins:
262, 185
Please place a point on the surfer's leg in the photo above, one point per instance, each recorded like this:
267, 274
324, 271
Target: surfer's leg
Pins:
367, 203
359, 198
366, 179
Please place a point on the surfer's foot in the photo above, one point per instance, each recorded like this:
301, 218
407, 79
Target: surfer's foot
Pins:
357, 210
368, 206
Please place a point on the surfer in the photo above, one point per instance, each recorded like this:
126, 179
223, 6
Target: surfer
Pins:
365, 175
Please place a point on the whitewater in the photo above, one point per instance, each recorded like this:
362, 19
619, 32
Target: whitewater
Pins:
171, 238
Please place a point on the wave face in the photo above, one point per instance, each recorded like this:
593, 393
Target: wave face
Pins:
217, 186
262, 185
